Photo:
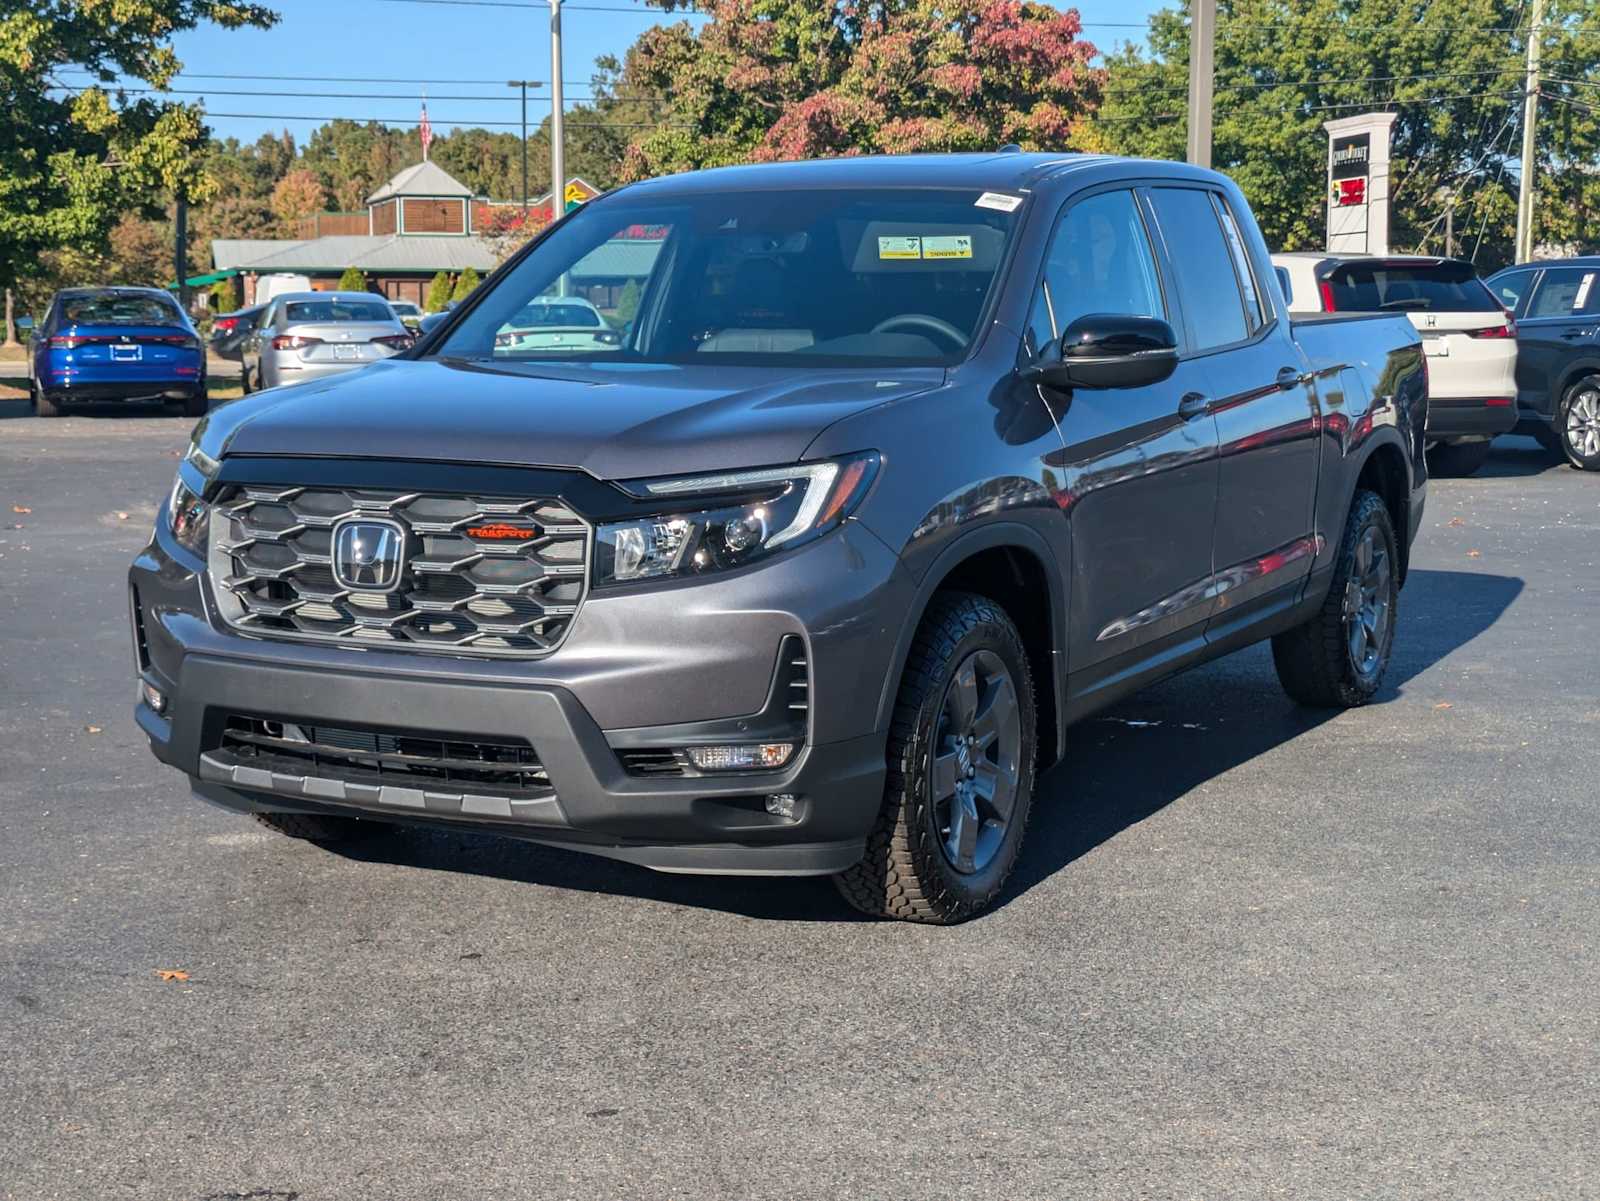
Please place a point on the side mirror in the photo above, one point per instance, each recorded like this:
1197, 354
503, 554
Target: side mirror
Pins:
1109, 350
430, 321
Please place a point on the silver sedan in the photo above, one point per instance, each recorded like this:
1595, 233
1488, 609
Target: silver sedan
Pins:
309, 335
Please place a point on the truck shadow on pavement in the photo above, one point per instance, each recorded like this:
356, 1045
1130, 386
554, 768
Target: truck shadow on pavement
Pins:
1120, 767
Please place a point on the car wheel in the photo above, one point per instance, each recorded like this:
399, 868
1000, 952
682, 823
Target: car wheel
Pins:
316, 827
1579, 424
196, 406
1457, 460
43, 406
961, 769
1336, 660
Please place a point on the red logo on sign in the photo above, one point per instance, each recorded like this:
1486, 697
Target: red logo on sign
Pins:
1351, 191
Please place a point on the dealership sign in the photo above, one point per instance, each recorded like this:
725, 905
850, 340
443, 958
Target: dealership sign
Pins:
1358, 184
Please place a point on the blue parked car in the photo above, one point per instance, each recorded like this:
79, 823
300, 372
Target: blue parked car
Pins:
130, 345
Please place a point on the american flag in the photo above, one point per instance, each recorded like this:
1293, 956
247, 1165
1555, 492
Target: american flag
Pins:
425, 131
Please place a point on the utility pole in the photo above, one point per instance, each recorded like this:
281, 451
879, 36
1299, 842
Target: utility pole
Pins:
558, 157
1530, 117
524, 84
1202, 46
180, 251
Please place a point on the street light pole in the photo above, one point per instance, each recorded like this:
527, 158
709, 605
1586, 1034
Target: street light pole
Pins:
524, 84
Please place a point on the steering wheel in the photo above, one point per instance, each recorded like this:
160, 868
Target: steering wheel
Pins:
922, 321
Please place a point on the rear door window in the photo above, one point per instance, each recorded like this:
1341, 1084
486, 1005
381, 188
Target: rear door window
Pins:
1564, 292
1208, 286
1367, 287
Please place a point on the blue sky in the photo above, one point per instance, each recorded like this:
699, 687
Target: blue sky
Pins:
415, 42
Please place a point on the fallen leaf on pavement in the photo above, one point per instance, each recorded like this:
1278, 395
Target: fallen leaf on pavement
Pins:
1456, 521
121, 516
1444, 705
1474, 554
165, 974
92, 729
20, 509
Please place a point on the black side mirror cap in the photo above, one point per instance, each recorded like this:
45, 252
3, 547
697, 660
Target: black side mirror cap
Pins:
1109, 350
430, 321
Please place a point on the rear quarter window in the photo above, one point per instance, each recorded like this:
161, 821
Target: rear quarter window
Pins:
1409, 288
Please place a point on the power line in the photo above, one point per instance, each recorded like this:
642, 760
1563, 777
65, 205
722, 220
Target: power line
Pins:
325, 78
444, 121
1316, 83
411, 96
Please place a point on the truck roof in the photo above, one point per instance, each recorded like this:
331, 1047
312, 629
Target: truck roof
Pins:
1013, 170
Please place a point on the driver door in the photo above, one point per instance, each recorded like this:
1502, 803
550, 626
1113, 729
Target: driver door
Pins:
1139, 465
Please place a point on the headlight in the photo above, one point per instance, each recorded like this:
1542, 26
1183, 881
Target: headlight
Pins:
767, 511
188, 516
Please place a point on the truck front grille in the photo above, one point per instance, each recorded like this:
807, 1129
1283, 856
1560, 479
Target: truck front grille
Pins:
481, 575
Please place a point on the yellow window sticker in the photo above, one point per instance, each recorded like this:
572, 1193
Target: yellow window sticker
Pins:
899, 248
955, 246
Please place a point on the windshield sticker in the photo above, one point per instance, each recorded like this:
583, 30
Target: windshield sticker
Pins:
1583, 292
956, 246
999, 201
899, 248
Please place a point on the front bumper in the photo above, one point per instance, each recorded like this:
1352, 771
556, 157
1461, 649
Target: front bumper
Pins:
647, 667
1469, 418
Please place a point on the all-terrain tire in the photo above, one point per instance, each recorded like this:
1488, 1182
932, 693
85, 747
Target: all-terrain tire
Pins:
1314, 660
906, 873
1457, 460
1586, 392
315, 827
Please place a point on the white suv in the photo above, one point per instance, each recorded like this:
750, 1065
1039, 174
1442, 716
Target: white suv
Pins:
1469, 339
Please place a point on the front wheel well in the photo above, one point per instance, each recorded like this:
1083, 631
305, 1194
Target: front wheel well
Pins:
1384, 473
1016, 580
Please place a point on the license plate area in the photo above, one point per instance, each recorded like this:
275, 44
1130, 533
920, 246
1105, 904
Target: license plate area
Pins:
1436, 348
347, 352
126, 354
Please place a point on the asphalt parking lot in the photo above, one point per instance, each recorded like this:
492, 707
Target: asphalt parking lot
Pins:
1250, 951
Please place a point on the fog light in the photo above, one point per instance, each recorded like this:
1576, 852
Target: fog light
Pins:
737, 758
782, 804
154, 697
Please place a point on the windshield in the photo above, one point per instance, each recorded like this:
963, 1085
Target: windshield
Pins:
820, 278
306, 311
110, 308
1410, 287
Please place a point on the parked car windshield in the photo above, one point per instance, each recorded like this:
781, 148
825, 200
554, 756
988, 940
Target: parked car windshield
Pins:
1410, 287
113, 308
298, 312
821, 278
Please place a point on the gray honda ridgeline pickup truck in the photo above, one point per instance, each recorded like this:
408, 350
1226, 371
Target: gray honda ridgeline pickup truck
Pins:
881, 472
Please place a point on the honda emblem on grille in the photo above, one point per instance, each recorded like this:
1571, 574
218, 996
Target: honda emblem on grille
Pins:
368, 554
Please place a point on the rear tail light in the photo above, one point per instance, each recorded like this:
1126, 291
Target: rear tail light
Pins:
396, 341
294, 342
224, 325
1508, 330
73, 341
1328, 304
67, 342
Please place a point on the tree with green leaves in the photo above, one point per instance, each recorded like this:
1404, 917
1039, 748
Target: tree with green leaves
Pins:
628, 303
353, 280
782, 79
438, 293
225, 295
465, 283
71, 163
1453, 72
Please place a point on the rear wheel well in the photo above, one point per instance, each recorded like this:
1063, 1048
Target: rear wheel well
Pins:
1016, 580
1384, 472
1571, 378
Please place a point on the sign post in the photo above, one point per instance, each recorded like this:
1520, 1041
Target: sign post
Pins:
1358, 183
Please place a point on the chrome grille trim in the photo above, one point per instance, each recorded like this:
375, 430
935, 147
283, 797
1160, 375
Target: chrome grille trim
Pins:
270, 567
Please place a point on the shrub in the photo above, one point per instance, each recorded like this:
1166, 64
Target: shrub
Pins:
225, 295
465, 282
438, 293
628, 302
353, 280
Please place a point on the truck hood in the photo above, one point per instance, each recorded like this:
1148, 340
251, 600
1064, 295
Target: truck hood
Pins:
617, 421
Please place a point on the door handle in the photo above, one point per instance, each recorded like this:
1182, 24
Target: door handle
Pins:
1193, 405
1289, 377
1574, 335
